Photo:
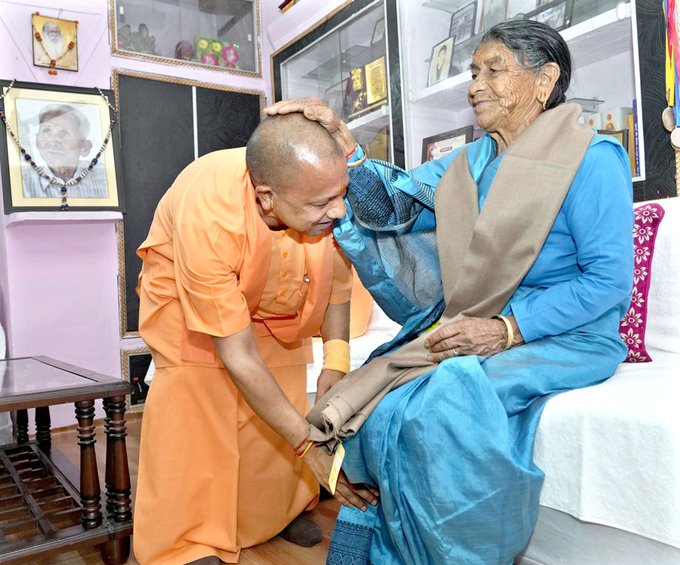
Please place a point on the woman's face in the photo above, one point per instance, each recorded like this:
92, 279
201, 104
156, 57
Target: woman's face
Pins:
503, 94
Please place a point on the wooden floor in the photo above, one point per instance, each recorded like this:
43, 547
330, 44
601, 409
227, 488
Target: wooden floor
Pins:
275, 552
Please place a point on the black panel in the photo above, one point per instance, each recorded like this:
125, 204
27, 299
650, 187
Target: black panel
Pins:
157, 131
659, 154
225, 119
156, 126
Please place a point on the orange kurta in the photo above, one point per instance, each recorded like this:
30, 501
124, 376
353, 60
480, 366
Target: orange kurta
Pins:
213, 477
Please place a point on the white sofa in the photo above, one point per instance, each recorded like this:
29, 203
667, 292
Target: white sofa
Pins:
610, 453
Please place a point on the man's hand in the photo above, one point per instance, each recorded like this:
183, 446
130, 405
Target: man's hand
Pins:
315, 109
326, 381
347, 493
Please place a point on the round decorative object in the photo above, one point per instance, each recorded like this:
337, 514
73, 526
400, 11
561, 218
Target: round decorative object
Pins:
675, 139
230, 56
668, 118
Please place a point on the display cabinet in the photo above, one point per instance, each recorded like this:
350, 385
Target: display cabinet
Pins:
351, 60
218, 34
602, 38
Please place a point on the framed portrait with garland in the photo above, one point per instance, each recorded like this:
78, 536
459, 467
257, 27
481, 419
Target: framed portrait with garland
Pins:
60, 148
55, 43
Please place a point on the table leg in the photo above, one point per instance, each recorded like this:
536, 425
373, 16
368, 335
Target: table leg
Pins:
42, 429
90, 493
22, 426
117, 480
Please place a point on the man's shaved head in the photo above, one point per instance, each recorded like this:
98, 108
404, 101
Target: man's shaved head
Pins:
283, 144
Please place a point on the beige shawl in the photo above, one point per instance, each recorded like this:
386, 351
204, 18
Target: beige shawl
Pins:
483, 256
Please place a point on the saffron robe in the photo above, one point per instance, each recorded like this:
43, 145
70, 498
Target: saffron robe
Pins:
213, 477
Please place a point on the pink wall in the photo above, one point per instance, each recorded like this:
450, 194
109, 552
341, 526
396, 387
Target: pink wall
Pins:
58, 282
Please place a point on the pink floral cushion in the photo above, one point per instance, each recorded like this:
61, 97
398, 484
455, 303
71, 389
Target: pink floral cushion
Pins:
634, 323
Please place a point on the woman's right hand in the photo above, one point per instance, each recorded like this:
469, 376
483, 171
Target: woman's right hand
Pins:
315, 109
347, 493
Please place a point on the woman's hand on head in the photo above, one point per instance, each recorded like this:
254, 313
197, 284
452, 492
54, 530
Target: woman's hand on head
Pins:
316, 110
470, 336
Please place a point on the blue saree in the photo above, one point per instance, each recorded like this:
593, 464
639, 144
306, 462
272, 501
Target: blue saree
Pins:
451, 451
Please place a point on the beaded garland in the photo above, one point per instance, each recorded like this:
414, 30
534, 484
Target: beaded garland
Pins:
53, 62
41, 170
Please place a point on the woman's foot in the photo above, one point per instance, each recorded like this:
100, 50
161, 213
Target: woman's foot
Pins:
302, 531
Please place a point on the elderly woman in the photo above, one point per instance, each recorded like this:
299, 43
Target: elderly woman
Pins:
533, 243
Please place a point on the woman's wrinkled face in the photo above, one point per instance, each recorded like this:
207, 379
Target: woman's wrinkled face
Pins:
503, 94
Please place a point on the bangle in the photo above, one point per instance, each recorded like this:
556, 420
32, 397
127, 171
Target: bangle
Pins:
336, 355
299, 445
508, 327
358, 162
301, 454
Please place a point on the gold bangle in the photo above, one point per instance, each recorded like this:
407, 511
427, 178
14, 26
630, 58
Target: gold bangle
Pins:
357, 163
511, 333
336, 355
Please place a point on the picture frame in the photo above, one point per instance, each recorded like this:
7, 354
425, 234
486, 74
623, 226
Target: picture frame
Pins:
556, 14
35, 166
437, 146
55, 43
440, 61
135, 364
462, 25
378, 32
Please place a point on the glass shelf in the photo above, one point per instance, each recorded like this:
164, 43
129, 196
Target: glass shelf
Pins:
217, 34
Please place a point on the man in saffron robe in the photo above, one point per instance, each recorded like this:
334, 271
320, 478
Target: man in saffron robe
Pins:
239, 271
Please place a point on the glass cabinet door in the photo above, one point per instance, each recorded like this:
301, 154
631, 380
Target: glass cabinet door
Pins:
444, 33
347, 65
220, 34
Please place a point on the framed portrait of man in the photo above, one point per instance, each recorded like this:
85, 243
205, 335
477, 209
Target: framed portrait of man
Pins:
59, 149
55, 43
462, 25
440, 61
136, 364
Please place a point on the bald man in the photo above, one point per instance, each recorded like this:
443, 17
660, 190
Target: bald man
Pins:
239, 271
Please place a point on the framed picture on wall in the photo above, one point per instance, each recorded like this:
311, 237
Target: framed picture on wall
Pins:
621, 135
55, 43
462, 25
59, 149
556, 14
440, 61
136, 364
437, 146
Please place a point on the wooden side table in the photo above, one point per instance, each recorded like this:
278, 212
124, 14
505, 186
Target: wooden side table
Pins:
40, 510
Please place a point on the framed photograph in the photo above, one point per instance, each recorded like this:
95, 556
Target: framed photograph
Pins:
556, 14
136, 364
437, 146
621, 135
60, 148
55, 43
440, 61
378, 31
462, 26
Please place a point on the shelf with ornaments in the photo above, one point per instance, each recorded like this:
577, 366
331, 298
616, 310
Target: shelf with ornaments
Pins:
210, 34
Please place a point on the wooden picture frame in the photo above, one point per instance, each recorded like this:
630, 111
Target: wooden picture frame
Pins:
462, 25
440, 61
135, 364
556, 14
437, 146
34, 163
55, 43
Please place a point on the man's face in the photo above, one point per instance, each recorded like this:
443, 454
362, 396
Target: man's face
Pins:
314, 198
60, 141
52, 32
